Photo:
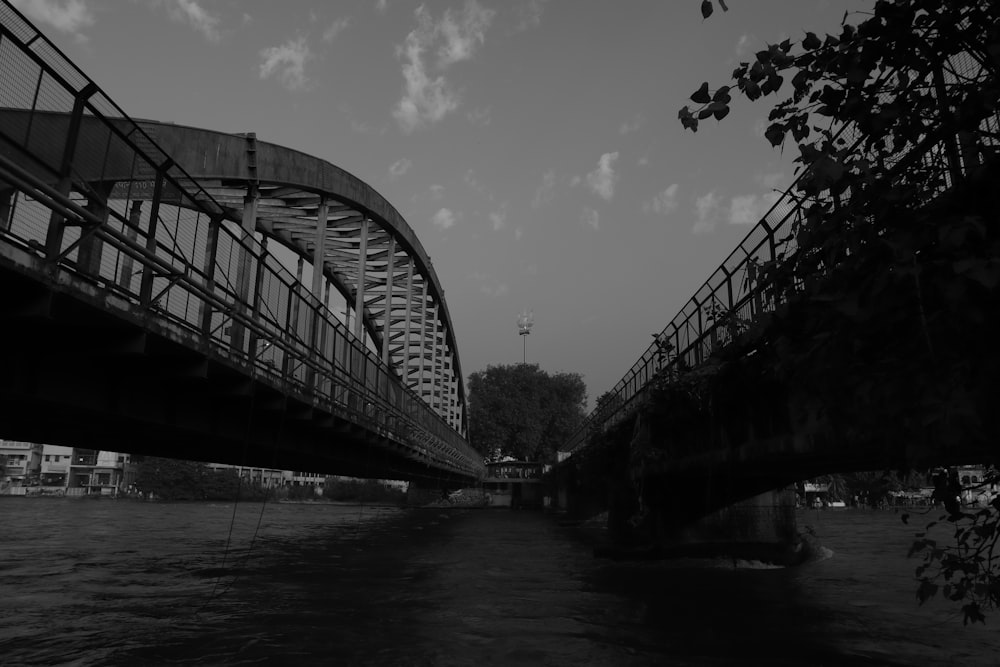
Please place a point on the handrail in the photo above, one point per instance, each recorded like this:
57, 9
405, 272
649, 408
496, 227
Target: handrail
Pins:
697, 329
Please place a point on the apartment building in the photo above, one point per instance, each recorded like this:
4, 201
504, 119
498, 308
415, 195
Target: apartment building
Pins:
20, 463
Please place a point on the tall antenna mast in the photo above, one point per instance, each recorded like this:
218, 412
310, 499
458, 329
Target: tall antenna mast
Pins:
525, 321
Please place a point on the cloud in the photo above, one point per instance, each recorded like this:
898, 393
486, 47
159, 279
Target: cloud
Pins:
497, 289
470, 179
479, 117
602, 180
664, 202
63, 15
749, 209
400, 166
381, 6
707, 209
745, 45
424, 99
518, 233
443, 219
545, 191
771, 181
643, 161
288, 63
630, 126
462, 33
335, 29
193, 13
529, 15
499, 217
427, 97
437, 191
591, 217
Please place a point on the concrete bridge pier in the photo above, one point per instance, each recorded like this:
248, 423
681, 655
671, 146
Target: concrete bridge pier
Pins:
669, 522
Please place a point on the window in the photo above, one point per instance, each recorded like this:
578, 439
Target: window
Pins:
48, 457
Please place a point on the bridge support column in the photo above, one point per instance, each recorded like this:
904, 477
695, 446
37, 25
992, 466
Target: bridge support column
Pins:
318, 264
57, 224
390, 270
244, 264
6, 207
88, 258
423, 339
359, 295
131, 233
435, 357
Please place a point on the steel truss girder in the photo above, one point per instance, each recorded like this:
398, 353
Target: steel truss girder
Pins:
287, 188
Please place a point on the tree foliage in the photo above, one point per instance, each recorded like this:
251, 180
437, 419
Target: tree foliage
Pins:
887, 284
173, 479
521, 411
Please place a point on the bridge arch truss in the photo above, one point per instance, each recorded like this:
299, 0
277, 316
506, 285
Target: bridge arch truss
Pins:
192, 232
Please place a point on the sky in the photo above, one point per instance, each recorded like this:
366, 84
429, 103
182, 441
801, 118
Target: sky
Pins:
533, 145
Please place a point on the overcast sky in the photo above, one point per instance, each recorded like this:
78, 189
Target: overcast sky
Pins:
533, 145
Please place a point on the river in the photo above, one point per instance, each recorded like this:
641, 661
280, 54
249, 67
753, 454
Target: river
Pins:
131, 583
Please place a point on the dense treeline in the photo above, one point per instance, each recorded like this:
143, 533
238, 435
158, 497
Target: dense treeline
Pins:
171, 479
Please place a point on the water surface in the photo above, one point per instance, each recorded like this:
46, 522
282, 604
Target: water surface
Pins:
131, 583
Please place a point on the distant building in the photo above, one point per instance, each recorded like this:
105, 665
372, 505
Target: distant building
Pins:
20, 463
515, 484
978, 485
30, 468
55, 466
97, 471
267, 478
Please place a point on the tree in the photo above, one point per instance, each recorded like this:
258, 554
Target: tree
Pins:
888, 279
174, 479
521, 411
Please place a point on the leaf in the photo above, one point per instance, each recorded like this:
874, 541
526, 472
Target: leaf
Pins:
701, 95
706, 8
775, 134
721, 93
926, 591
721, 113
811, 41
722, 3
972, 613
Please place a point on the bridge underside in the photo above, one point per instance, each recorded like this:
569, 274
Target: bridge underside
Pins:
77, 373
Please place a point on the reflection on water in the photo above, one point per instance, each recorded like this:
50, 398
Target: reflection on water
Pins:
127, 583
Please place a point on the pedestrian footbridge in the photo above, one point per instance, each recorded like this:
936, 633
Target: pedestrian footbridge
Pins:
188, 293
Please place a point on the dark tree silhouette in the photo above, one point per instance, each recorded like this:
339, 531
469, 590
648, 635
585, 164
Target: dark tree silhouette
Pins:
521, 411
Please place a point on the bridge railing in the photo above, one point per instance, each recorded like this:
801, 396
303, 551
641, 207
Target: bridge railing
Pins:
735, 296
88, 193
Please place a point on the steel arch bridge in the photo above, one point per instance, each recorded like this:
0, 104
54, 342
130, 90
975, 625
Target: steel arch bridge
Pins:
180, 237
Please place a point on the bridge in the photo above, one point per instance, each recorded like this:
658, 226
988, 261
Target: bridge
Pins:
176, 291
729, 400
